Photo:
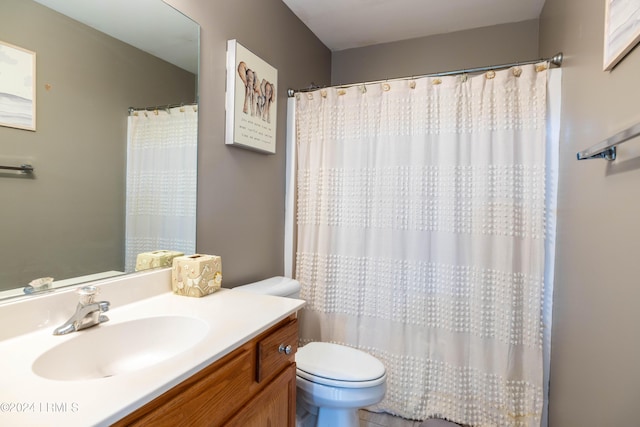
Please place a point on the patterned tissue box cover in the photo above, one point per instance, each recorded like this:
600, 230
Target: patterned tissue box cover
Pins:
196, 275
156, 259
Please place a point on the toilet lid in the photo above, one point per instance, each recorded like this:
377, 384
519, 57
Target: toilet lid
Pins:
329, 363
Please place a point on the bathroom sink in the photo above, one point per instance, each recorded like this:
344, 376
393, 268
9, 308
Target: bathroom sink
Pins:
107, 350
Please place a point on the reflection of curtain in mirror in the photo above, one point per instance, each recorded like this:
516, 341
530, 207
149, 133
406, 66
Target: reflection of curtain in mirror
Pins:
161, 182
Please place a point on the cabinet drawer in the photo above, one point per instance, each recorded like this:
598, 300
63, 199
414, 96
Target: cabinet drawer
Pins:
277, 350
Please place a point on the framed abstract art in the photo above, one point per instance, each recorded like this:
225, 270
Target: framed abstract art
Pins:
621, 30
17, 87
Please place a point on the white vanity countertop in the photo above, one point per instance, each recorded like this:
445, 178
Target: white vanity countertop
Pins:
27, 399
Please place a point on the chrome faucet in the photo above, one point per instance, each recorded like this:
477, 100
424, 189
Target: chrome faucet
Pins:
88, 312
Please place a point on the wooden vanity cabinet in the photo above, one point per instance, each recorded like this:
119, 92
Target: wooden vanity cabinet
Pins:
253, 386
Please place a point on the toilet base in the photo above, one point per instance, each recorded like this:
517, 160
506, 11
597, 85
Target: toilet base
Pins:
321, 406
311, 416
338, 417
304, 417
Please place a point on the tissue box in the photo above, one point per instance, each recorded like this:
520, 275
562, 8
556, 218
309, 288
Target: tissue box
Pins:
196, 275
155, 259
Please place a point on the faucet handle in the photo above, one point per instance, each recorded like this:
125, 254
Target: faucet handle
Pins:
87, 293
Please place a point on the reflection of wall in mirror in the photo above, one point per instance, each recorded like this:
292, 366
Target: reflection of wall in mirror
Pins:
68, 220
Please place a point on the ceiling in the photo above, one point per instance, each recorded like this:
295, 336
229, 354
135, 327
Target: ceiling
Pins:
345, 24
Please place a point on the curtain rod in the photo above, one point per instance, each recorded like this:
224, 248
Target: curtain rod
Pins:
554, 60
161, 107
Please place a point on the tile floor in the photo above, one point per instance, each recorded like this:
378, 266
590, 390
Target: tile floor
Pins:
372, 419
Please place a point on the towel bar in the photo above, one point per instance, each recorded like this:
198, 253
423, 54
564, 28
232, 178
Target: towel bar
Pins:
22, 168
607, 148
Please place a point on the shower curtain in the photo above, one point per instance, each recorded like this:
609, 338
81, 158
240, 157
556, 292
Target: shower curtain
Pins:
425, 227
161, 182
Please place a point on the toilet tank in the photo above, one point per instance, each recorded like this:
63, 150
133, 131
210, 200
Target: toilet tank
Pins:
278, 286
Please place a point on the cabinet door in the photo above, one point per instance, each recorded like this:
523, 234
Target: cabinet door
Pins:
206, 399
274, 406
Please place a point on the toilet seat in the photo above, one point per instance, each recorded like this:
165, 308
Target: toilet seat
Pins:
338, 366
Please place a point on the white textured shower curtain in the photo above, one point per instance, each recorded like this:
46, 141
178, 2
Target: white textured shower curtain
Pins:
161, 182
423, 232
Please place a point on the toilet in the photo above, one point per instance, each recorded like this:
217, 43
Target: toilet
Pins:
333, 381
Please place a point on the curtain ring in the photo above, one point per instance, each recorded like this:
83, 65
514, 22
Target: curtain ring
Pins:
490, 74
541, 67
386, 87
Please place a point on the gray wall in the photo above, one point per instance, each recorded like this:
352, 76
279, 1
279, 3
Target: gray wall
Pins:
595, 374
241, 192
497, 44
69, 220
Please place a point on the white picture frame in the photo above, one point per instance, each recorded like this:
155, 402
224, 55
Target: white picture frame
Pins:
17, 87
621, 30
251, 113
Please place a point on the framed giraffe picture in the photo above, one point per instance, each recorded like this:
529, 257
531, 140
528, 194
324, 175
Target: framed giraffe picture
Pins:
250, 100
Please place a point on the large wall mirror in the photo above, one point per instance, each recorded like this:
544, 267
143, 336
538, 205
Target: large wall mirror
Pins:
67, 219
